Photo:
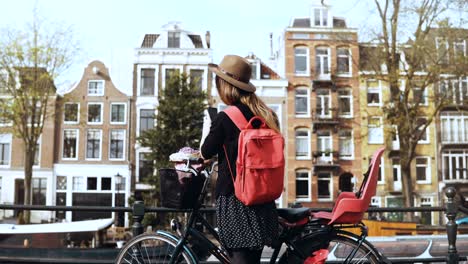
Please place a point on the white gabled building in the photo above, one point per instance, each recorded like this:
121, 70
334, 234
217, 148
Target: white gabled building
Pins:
172, 49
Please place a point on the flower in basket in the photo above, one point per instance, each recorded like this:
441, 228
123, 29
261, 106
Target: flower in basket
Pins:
180, 162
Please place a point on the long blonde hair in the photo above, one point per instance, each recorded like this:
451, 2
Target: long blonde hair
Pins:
230, 95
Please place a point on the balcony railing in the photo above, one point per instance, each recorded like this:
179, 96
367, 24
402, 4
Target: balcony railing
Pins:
323, 117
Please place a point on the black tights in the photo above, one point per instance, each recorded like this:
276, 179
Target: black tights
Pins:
244, 256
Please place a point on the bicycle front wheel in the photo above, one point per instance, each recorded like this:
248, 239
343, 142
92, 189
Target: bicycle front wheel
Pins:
152, 249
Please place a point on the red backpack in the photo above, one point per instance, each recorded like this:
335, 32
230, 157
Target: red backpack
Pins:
260, 161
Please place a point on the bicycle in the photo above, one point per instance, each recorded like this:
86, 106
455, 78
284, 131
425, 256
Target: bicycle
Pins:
302, 232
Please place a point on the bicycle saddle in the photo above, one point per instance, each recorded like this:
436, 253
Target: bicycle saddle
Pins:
293, 214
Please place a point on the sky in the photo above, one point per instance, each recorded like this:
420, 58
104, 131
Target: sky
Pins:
110, 30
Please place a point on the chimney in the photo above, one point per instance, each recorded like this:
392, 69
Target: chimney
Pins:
208, 39
271, 46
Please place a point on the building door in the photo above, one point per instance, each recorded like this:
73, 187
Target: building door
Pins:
19, 193
396, 170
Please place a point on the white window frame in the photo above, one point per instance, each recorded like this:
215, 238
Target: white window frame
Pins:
451, 123
100, 114
382, 171
204, 75
101, 93
323, 14
427, 140
425, 101
330, 188
125, 113
79, 181
421, 201
307, 55
350, 98
460, 42
169, 67
278, 112
77, 114
439, 42
100, 144
321, 73
326, 109
457, 156
376, 201
309, 184
350, 62
7, 139
156, 74
77, 145
375, 90
428, 179
307, 138
379, 140
352, 145
38, 153
123, 143
307, 96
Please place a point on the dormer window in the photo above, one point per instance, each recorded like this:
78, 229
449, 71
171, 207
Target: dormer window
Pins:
173, 39
320, 17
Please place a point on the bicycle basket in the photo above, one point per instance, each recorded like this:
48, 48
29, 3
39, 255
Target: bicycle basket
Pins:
179, 189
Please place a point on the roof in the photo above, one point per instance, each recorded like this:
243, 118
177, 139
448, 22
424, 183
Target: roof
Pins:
78, 226
338, 22
149, 40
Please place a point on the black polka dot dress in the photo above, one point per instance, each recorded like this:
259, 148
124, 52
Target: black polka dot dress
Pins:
243, 226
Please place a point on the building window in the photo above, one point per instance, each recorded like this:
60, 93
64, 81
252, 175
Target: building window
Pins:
93, 144
94, 113
302, 144
303, 184
146, 120
71, 111
254, 75
374, 93
344, 61
78, 183
323, 103
346, 144
145, 167
381, 178
91, 184
147, 82
459, 50
454, 127
320, 17
420, 96
426, 217
61, 183
4, 153
454, 165
173, 39
345, 99
170, 73
70, 143
96, 88
302, 101
301, 61
37, 154
117, 140
425, 134
324, 147
322, 62
375, 130
106, 183
423, 171
118, 113
196, 77
324, 186
396, 172
39, 191
442, 46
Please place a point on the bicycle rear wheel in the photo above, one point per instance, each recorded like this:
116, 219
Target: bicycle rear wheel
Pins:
342, 249
345, 249
152, 249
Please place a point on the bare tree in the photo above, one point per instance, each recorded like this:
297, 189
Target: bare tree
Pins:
30, 61
406, 56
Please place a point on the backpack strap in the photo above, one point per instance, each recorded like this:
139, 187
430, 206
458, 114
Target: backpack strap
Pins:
236, 116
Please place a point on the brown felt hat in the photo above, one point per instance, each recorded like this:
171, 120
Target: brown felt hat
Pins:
234, 70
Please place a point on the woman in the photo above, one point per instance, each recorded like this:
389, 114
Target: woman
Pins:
244, 230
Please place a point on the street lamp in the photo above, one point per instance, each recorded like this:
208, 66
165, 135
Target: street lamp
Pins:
118, 184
